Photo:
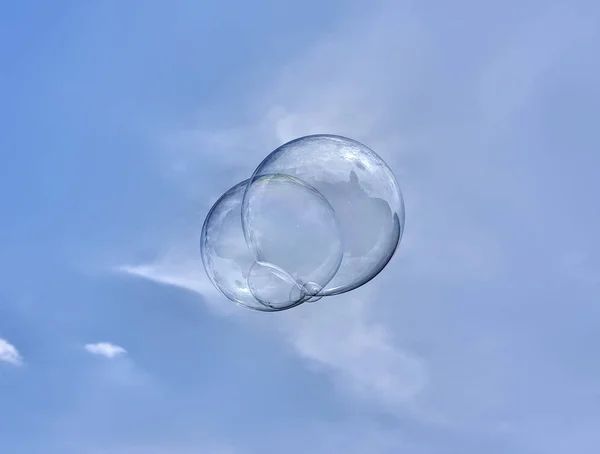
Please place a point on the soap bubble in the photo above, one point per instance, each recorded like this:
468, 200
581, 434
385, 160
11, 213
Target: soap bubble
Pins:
225, 255
361, 189
292, 226
295, 250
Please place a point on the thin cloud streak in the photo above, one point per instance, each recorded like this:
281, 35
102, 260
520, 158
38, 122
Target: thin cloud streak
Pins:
451, 162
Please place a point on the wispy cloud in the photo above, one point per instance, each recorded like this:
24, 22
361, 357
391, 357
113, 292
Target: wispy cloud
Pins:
360, 70
345, 339
178, 268
9, 353
121, 370
443, 129
105, 349
341, 340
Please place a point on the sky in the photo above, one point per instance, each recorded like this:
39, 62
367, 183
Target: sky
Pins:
122, 122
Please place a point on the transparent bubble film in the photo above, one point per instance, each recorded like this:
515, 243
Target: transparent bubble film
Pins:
321, 215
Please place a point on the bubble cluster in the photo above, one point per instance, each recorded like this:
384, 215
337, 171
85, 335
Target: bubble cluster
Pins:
321, 215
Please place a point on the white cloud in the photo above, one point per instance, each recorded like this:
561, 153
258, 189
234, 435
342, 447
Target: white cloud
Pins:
353, 84
380, 81
335, 336
9, 354
181, 268
105, 349
346, 86
342, 338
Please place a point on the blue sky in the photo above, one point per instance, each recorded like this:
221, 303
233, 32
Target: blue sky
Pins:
122, 122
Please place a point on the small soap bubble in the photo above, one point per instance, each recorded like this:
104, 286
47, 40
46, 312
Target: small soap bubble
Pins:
273, 287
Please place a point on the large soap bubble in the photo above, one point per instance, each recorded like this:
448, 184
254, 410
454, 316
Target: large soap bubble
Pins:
295, 250
362, 190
